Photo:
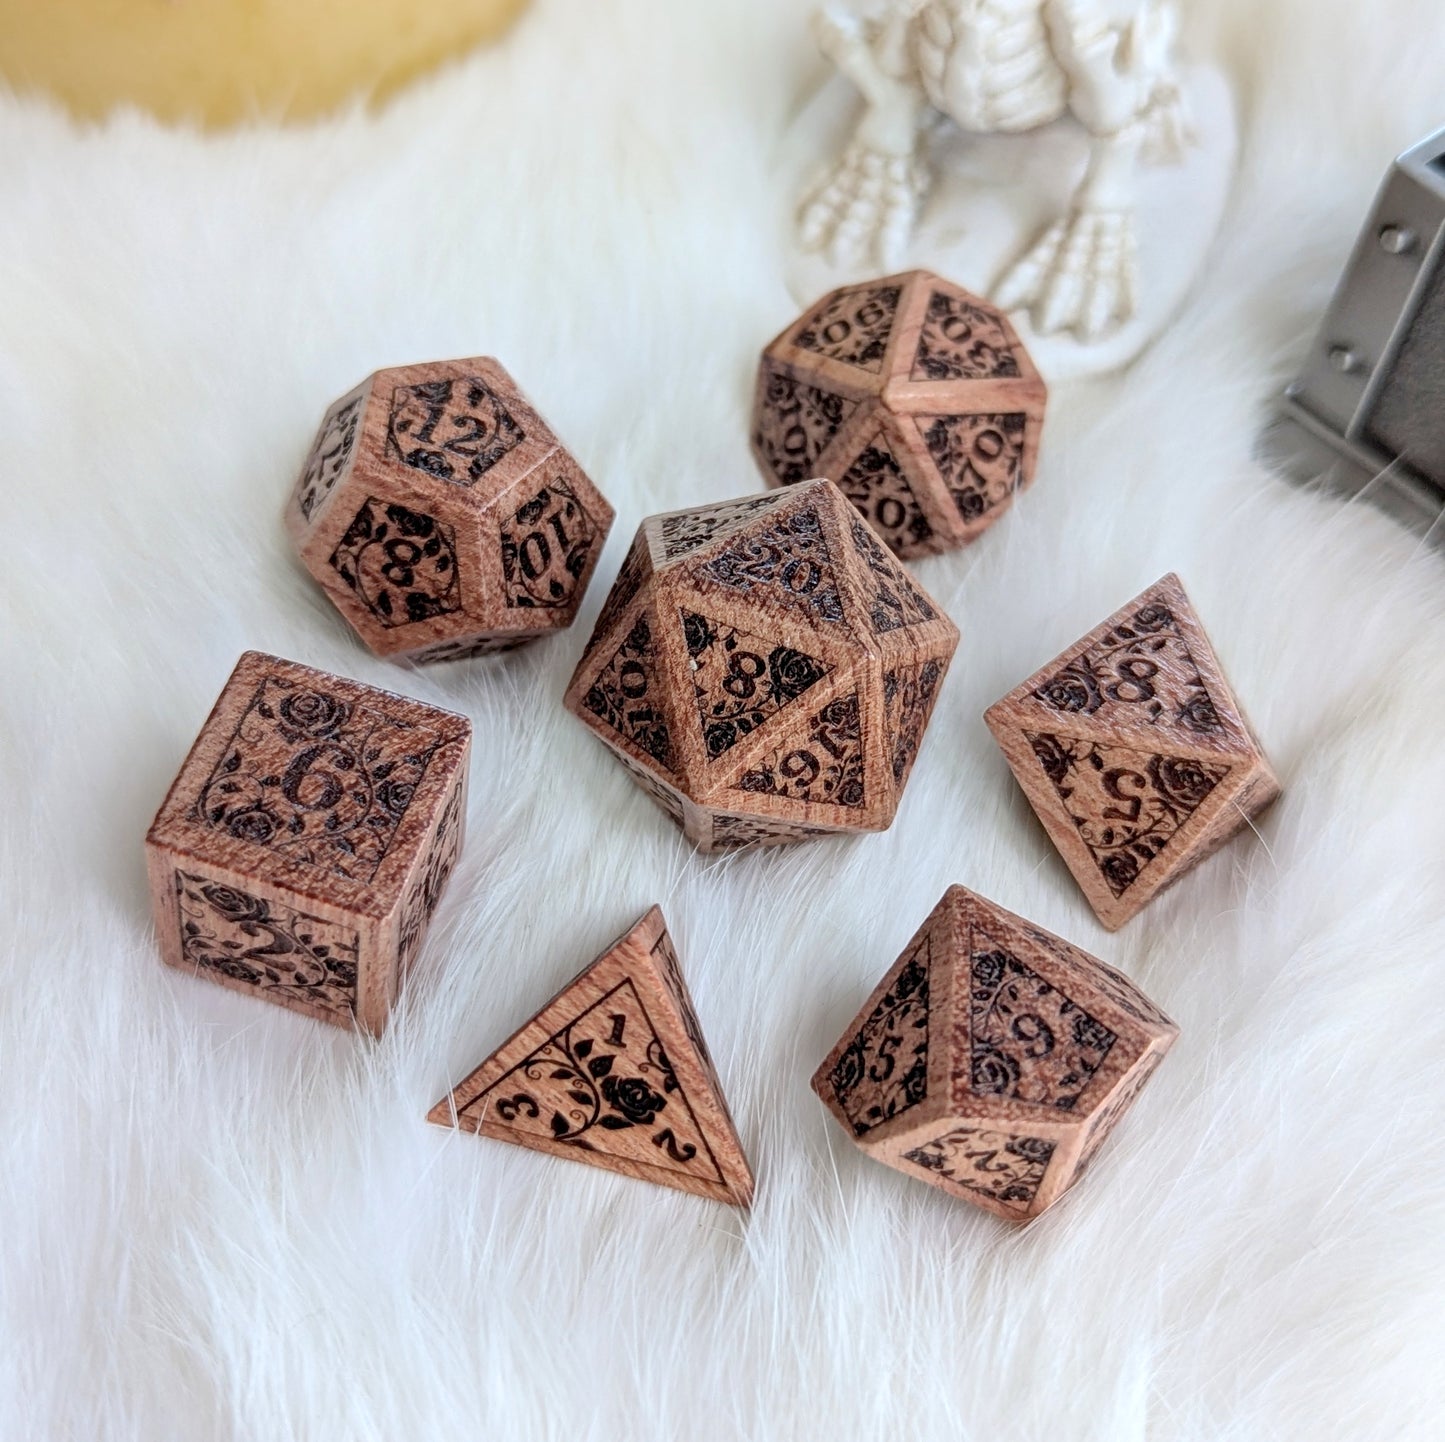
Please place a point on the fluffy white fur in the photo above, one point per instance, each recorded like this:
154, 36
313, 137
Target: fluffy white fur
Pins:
221, 1221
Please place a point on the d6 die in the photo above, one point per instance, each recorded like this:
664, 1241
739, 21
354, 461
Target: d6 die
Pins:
918, 398
1134, 752
993, 1059
765, 669
306, 841
441, 515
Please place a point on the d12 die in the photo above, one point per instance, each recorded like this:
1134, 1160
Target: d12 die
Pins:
614, 1071
441, 515
993, 1059
918, 398
304, 845
765, 669
1134, 752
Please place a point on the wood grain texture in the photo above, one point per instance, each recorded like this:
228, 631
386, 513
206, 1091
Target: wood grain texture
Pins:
441, 515
614, 1071
304, 845
915, 396
993, 1059
1135, 752
765, 669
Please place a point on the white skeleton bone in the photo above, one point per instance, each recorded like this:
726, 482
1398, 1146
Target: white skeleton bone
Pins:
996, 66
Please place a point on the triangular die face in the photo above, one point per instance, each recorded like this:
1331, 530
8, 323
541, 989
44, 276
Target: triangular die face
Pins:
1126, 805
893, 600
909, 693
602, 1083
1142, 673
741, 680
980, 459
786, 562
882, 1071
822, 764
635, 570
729, 830
1001, 1169
614, 1071
686, 531
1028, 1040
852, 326
626, 694
796, 424
878, 487
962, 339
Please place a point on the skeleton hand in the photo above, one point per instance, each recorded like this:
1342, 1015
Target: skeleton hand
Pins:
866, 205
1080, 276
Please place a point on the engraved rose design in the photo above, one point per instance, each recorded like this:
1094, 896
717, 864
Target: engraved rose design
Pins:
1182, 781
849, 1069
395, 796
235, 905
792, 672
1198, 714
1053, 757
256, 825
1153, 618
993, 1072
697, 633
311, 712
632, 1098
1071, 690
1120, 870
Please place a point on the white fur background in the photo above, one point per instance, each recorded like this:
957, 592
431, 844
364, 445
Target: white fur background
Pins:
221, 1221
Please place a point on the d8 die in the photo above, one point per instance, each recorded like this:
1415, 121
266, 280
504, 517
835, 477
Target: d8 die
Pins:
918, 398
306, 841
993, 1059
765, 669
1134, 752
441, 515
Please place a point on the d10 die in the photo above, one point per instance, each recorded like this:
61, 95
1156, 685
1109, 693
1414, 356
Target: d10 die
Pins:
993, 1059
765, 669
1134, 752
442, 516
306, 841
918, 398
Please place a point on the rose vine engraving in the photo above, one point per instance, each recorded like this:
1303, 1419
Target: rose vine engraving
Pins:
1009, 1169
740, 680
884, 1069
266, 944
545, 548
796, 424
456, 429
321, 781
826, 768
853, 326
330, 452
1126, 804
960, 341
980, 458
788, 562
876, 485
401, 563
624, 695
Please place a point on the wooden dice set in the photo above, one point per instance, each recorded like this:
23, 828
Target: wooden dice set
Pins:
765, 669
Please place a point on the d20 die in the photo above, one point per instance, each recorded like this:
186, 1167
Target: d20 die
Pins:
443, 517
765, 669
993, 1059
614, 1071
1134, 752
916, 397
302, 849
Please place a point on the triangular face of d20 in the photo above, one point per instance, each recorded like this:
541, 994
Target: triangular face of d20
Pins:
683, 532
852, 326
823, 763
786, 563
893, 600
614, 1071
877, 485
626, 694
963, 339
741, 680
796, 424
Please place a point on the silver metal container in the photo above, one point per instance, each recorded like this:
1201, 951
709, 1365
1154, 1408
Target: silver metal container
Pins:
1367, 414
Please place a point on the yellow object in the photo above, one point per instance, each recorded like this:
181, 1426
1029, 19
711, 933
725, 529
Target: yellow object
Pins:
220, 61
